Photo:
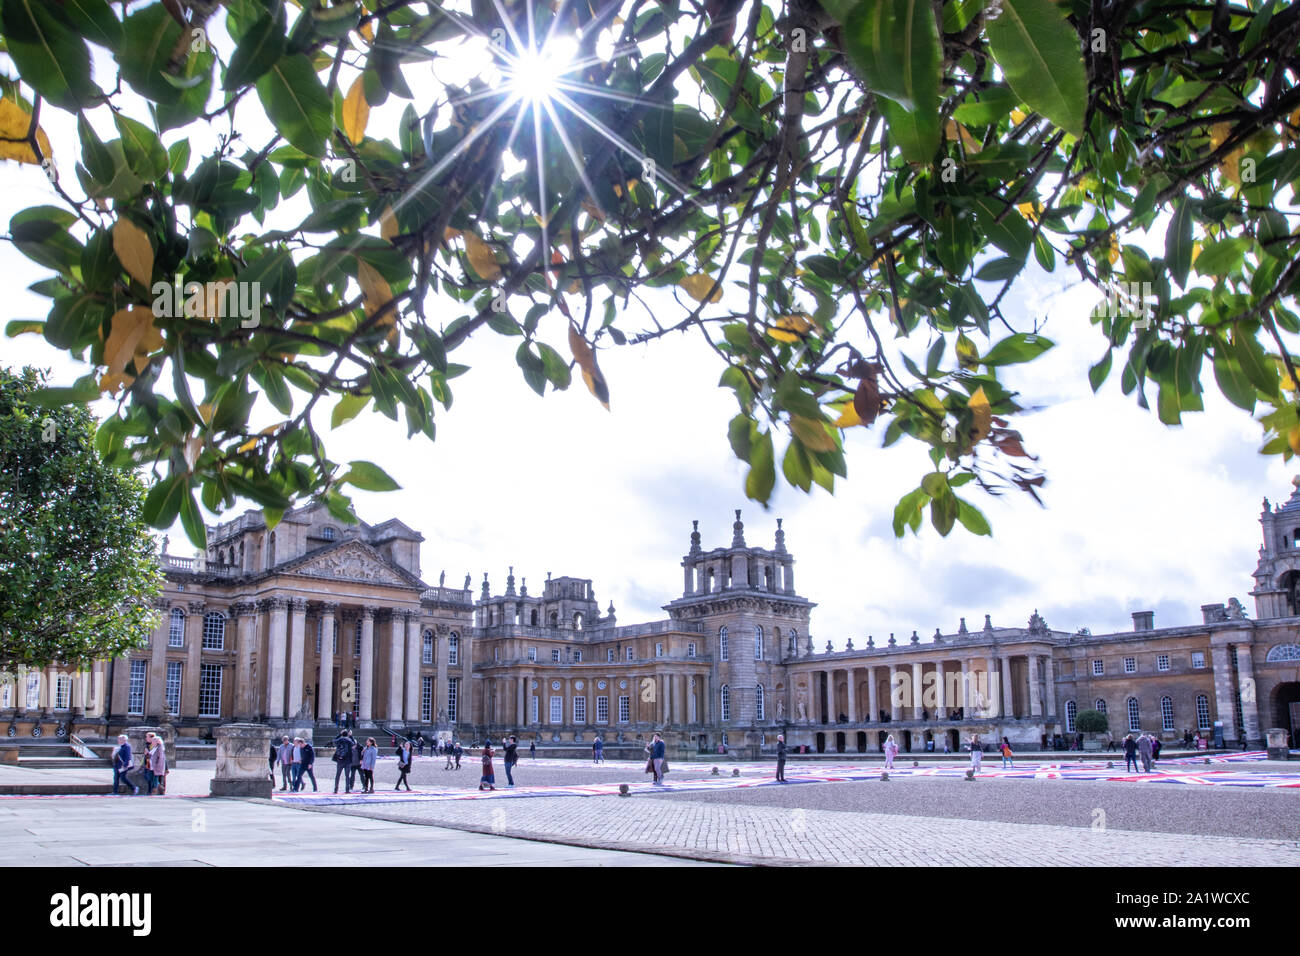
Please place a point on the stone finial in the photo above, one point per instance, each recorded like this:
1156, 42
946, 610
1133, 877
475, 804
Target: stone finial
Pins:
738, 532
1036, 623
1267, 506
780, 538
810, 647
828, 647
962, 628
487, 589
523, 587
871, 641
988, 625
915, 639
695, 538
892, 642
610, 613
938, 638
850, 645
510, 582
166, 541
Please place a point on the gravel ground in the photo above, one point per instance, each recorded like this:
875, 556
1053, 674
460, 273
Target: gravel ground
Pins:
1160, 808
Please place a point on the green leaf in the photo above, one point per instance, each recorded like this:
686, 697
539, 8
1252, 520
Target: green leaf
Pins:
348, 408
1039, 53
1245, 351
972, 518
258, 49
149, 36
192, 521
143, 149
95, 21
296, 101
1097, 374
163, 502
95, 156
52, 59
1178, 242
796, 467
369, 477
907, 513
1223, 257
276, 276
1012, 234
1020, 347
1233, 381
762, 469
895, 46
943, 512
917, 134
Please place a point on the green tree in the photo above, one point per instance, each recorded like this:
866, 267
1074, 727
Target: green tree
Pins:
843, 198
1092, 722
77, 565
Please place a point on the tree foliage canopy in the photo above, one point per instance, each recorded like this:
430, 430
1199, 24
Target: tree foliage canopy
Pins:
820, 188
1092, 722
77, 568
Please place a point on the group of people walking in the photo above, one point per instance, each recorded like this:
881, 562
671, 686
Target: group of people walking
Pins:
1145, 748
152, 769
297, 759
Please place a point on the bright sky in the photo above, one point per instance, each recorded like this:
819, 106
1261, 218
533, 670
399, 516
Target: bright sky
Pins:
1138, 516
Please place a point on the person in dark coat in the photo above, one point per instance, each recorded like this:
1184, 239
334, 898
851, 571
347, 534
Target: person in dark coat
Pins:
1130, 754
780, 758
511, 758
271, 758
122, 764
404, 758
532, 749
308, 762
343, 766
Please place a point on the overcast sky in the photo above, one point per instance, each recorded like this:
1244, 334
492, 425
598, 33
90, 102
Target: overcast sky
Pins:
1137, 516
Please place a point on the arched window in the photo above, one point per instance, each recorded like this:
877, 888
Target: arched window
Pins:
453, 648
722, 644
533, 619
794, 641
726, 702
1167, 713
427, 654
328, 534
759, 707
1071, 711
1100, 706
758, 642
1202, 712
577, 620
555, 619
214, 631
1283, 652
1134, 718
176, 630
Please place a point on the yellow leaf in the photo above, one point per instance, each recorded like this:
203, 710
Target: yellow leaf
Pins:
1293, 439
131, 338
586, 359
848, 416
983, 412
367, 31
205, 413
1017, 117
697, 286
22, 327
1287, 382
246, 446
812, 433
356, 111
1292, 129
110, 383
1113, 253
387, 224
14, 124
790, 328
618, 190
449, 233
375, 292
193, 447
1031, 210
1230, 163
954, 130
213, 302
481, 257
133, 250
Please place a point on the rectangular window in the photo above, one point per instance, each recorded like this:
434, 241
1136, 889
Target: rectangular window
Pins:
1098, 668
602, 710
1162, 662
334, 647
426, 699
496, 655
1130, 665
659, 649
33, 690
426, 654
631, 654
557, 710
532, 715
356, 689
690, 649
580, 710
452, 684
209, 690
577, 656
356, 641
624, 709
63, 692
135, 690
532, 654
1203, 712
555, 655
320, 630
6, 692
176, 635
1166, 714
214, 633
1198, 659
453, 650
609, 654
173, 687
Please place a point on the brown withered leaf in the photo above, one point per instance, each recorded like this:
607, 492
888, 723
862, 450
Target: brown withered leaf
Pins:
1008, 442
866, 399
586, 359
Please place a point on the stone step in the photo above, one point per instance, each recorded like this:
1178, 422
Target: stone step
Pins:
62, 763
53, 789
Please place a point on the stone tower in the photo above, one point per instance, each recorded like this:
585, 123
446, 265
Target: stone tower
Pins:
1277, 576
744, 599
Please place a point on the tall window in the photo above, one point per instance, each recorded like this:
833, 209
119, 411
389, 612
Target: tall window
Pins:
63, 692
794, 640
726, 702
577, 656
356, 640
1098, 668
426, 698
327, 533
1167, 713
453, 649
176, 630
609, 654
6, 693
427, 653
690, 649
759, 707
496, 655
580, 710
270, 551
624, 709
532, 654
1162, 662
320, 632
1202, 712
557, 710
722, 645
555, 654
758, 642
135, 689
659, 649
1134, 718
631, 654
602, 710
33, 690
452, 686
214, 631
1130, 665
532, 709
209, 690
173, 687
1071, 711
1100, 706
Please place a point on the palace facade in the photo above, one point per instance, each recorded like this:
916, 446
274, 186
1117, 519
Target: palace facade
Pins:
294, 624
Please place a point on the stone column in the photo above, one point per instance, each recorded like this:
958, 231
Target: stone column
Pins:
991, 697
788, 577
413, 659
1035, 692
277, 647
396, 653
872, 703
895, 710
325, 682
466, 679
940, 692
1249, 702
245, 621
440, 632
1049, 708
1008, 705
366, 692
965, 696
853, 696
297, 655
521, 695
916, 690
193, 656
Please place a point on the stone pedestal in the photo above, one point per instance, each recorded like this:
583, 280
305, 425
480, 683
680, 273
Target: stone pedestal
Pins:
241, 761
166, 731
1277, 739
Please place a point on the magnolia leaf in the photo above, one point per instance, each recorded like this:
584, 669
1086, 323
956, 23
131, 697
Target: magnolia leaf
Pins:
812, 433
789, 328
586, 359
356, 112
375, 291
697, 286
133, 250
15, 122
1039, 52
481, 257
131, 338
983, 415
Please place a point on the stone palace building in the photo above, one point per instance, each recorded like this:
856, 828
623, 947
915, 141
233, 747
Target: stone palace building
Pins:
294, 624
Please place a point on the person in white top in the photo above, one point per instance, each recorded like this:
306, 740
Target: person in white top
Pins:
891, 751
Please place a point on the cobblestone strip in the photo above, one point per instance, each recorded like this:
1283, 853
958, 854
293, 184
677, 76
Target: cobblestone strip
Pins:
775, 836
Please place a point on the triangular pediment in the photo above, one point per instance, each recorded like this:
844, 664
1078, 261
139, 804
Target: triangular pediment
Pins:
350, 561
